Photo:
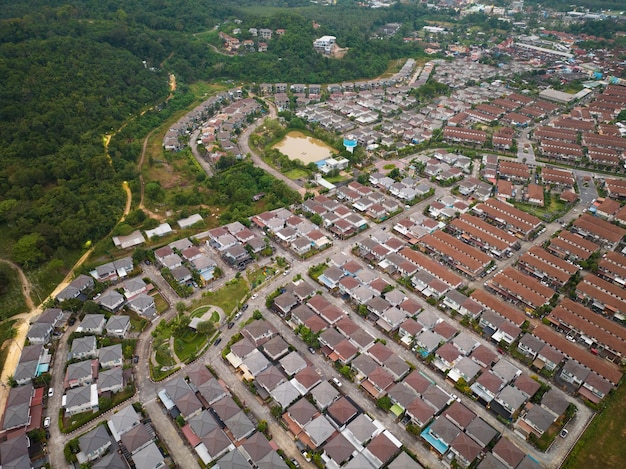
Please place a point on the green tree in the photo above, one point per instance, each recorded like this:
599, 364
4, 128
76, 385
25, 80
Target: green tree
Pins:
384, 403
180, 324
28, 250
91, 307
205, 328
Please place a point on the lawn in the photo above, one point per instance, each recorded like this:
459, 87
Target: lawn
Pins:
160, 303
228, 297
389, 167
198, 312
602, 443
297, 173
188, 346
338, 178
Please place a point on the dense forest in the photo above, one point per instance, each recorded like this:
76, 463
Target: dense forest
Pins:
73, 71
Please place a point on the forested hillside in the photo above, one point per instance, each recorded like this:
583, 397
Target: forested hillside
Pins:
73, 71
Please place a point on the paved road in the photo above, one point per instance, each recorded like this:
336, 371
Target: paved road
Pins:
168, 432
58, 440
244, 144
206, 166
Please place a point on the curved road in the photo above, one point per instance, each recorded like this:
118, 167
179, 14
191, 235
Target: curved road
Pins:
244, 144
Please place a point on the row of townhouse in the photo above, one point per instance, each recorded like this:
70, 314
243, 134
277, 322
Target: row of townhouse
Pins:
547, 268
172, 139
509, 218
520, 289
483, 235
612, 267
468, 260
599, 231
602, 296
572, 246
581, 325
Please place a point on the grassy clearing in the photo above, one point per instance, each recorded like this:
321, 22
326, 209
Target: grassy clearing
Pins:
337, 178
296, 174
6, 334
553, 210
393, 67
11, 301
257, 277
227, 297
602, 443
137, 323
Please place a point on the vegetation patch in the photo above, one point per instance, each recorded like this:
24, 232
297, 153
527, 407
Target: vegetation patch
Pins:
553, 208
602, 443
160, 303
297, 173
12, 301
227, 297
187, 346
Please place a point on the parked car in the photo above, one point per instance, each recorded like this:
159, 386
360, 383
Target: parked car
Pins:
50, 392
244, 307
217, 341
311, 349
563, 433
254, 297
237, 316
337, 382
46, 422
72, 321
230, 325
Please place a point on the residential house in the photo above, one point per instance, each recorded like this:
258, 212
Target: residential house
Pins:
84, 347
81, 399
259, 332
94, 444
111, 300
92, 324
117, 326
81, 373
111, 356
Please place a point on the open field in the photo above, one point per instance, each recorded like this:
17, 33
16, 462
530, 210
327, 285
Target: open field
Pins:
602, 445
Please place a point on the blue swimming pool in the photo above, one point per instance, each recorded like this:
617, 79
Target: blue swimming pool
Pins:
439, 445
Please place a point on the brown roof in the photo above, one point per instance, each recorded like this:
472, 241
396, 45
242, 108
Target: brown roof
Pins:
302, 412
342, 411
491, 302
417, 381
508, 452
383, 448
459, 415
